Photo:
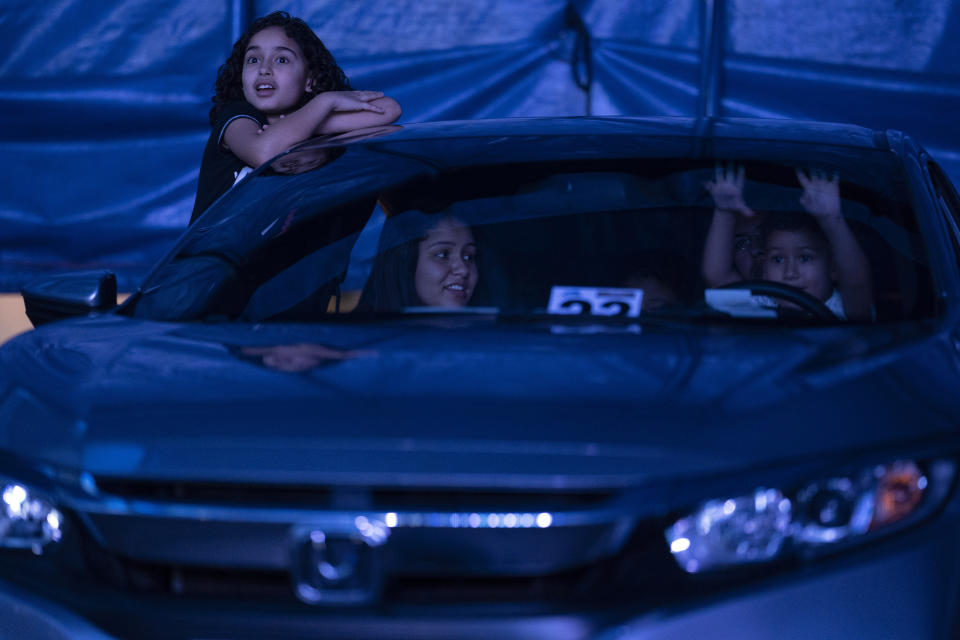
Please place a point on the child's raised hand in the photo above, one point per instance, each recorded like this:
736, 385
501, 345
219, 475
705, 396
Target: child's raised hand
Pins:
353, 100
821, 193
727, 190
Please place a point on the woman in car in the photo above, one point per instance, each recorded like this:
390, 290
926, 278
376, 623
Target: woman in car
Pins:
422, 263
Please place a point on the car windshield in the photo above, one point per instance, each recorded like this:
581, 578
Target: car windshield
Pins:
375, 230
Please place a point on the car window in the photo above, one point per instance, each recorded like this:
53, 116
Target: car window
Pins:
642, 229
525, 238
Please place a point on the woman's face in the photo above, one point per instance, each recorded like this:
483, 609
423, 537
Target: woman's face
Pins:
446, 271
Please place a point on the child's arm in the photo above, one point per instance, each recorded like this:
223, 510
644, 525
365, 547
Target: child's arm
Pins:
821, 198
245, 139
343, 121
727, 192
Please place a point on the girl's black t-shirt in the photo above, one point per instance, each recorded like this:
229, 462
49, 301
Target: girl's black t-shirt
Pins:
220, 167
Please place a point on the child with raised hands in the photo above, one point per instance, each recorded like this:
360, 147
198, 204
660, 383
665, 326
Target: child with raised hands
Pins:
814, 250
733, 250
279, 86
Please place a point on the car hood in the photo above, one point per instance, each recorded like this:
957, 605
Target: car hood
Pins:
465, 403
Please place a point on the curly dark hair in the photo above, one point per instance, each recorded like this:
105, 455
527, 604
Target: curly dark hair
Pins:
321, 67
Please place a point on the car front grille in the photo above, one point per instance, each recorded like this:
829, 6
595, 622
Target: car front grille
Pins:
641, 568
215, 547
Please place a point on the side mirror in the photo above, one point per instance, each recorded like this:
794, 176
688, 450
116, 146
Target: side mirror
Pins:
69, 295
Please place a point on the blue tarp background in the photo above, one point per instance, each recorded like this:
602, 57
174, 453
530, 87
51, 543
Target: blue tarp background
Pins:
105, 103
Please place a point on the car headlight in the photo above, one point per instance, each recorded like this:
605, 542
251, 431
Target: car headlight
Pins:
768, 523
28, 520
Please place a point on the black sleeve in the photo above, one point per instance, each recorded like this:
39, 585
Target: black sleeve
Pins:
233, 110
219, 166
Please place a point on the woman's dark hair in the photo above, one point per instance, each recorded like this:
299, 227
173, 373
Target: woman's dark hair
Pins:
391, 284
322, 69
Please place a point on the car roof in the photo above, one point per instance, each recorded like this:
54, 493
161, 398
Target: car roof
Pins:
747, 129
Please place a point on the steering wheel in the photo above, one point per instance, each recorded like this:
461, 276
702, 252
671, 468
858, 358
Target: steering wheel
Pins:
781, 291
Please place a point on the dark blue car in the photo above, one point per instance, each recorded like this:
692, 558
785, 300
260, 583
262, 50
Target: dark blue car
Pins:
482, 379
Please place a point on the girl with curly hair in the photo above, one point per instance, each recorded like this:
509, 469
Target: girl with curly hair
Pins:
279, 86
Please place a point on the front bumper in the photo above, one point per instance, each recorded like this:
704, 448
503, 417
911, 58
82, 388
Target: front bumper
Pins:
905, 588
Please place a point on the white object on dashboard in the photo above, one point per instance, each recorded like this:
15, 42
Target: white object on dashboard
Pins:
739, 303
594, 301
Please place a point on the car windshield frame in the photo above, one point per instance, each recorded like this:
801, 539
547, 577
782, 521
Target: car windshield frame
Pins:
322, 202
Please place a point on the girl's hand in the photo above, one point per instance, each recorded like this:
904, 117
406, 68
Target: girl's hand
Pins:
727, 190
821, 194
352, 100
